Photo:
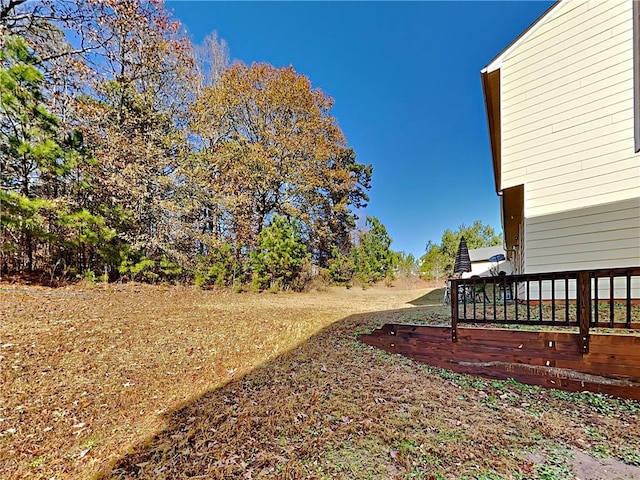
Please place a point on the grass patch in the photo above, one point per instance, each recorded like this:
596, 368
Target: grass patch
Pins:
166, 382
555, 466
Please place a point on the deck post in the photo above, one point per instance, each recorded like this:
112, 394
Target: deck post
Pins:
584, 309
453, 290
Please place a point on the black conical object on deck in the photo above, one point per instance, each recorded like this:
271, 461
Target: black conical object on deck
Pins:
463, 260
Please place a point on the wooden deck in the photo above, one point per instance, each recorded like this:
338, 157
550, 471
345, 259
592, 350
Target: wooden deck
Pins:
548, 358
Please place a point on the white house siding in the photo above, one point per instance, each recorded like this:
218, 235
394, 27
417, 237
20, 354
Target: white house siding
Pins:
601, 236
484, 269
568, 289
568, 135
482, 266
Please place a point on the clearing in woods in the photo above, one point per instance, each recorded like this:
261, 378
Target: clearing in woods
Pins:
136, 381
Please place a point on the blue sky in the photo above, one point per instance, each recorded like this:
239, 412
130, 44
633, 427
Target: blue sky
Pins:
405, 77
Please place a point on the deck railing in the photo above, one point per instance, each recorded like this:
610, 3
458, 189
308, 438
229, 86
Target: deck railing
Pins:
605, 298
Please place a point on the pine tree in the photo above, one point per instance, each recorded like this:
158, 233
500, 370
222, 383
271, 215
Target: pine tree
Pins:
29, 151
372, 256
279, 255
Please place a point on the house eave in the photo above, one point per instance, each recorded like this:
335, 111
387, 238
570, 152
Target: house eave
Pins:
490, 76
512, 216
491, 91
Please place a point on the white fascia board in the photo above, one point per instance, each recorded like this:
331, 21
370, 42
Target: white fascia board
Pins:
496, 63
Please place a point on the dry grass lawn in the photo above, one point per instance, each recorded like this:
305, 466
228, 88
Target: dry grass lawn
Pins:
136, 381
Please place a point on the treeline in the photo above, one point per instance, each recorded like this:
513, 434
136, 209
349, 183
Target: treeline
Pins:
438, 261
127, 152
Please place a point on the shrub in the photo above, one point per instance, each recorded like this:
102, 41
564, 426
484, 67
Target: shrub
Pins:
217, 268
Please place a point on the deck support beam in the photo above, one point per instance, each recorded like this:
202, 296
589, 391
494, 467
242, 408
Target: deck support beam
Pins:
453, 286
584, 309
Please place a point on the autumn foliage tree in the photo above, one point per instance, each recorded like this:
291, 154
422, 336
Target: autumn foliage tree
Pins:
267, 144
112, 76
126, 152
132, 120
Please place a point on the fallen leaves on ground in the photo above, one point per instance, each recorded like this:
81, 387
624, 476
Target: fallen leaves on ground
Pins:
136, 381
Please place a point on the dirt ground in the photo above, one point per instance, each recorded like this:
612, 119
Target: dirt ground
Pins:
587, 467
137, 381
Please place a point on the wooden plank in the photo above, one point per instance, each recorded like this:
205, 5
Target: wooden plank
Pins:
488, 358
435, 336
608, 357
476, 352
493, 353
562, 340
600, 368
503, 333
486, 354
563, 344
595, 363
612, 359
538, 343
623, 357
550, 382
479, 351
502, 373
614, 349
631, 340
606, 348
497, 333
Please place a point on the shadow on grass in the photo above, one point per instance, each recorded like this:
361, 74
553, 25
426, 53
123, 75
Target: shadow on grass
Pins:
320, 410
335, 408
433, 298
